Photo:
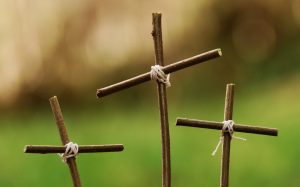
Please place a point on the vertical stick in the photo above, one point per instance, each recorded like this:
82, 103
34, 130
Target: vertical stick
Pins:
227, 138
64, 138
159, 60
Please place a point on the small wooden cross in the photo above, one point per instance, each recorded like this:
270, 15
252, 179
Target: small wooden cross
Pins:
65, 139
161, 87
226, 136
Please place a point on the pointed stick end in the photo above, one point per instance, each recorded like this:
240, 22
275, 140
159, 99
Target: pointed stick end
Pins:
276, 132
156, 13
25, 149
219, 51
98, 93
53, 98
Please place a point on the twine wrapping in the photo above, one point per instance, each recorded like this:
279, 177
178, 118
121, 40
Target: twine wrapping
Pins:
71, 151
227, 127
157, 73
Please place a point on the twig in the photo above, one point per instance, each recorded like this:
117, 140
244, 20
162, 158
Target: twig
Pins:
162, 99
65, 139
228, 111
219, 126
227, 132
82, 149
167, 69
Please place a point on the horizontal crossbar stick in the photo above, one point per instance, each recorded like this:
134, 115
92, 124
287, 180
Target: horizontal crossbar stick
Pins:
81, 149
219, 126
167, 69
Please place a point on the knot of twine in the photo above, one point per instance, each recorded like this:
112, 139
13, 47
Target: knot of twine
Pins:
227, 127
71, 151
157, 73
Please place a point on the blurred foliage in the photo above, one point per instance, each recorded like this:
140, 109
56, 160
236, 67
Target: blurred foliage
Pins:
71, 48
50, 47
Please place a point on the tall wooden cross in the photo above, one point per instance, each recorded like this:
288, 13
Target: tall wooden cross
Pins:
65, 140
226, 136
162, 98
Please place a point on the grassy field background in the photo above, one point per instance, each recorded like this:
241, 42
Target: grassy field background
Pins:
260, 161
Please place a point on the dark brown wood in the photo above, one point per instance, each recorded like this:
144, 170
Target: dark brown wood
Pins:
65, 139
59, 119
167, 69
228, 113
44, 149
162, 99
219, 126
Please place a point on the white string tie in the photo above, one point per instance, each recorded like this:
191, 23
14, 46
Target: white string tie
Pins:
227, 127
157, 73
71, 151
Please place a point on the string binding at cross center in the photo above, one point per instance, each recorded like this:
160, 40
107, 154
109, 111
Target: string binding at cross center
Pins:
227, 127
71, 151
158, 74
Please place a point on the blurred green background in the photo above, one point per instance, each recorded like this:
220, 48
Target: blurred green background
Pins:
71, 48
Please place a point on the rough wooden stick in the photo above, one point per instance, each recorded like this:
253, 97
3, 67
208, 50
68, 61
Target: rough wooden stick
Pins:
162, 99
167, 69
228, 111
226, 137
81, 149
65, 139
219, 126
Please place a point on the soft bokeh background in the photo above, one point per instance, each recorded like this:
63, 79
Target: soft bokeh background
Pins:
71, 48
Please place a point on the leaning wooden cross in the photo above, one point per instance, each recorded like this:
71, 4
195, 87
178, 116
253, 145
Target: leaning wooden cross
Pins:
158, 72
227, 127
69, 151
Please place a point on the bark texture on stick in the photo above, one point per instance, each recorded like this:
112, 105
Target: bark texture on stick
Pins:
219, 126
44, 149
228, 111
226, 136
65, 139
162, 99
101, 92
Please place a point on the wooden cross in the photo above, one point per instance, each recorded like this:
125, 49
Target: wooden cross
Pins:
162, 98
65, 139
226, 136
